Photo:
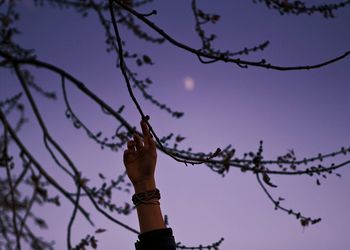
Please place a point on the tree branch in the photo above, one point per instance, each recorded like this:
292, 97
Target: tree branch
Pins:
262, 63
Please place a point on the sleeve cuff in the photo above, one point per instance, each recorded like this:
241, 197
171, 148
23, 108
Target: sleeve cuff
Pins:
156, 239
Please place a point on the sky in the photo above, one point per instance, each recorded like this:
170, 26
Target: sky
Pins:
306, 111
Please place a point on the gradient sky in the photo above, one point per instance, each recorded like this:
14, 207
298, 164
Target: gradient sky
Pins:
304, 111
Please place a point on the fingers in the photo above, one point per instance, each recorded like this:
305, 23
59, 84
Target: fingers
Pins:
131, 145
127, 154
148, 140
145, 130
135, 144
138, 142
129, 151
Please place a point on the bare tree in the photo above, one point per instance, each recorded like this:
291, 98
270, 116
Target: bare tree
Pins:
27, 182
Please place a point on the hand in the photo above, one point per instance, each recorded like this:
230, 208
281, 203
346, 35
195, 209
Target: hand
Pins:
140, 160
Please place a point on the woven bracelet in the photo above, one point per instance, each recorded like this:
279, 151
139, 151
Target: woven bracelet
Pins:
148, 197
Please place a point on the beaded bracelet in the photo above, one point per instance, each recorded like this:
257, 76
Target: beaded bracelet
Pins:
147, 197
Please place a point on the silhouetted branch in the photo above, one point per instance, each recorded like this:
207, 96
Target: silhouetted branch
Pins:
12, 190
128, 21
75, 209
299, 7
305, 221
38, 166
242, 63
189, 157
60, 150
214, 246
202, 18
143, 116
28, 209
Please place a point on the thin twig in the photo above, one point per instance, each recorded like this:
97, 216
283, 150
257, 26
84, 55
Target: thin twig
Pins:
12, 191
72, 218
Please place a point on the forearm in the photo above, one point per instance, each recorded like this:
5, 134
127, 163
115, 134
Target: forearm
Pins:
154, 234
149, 214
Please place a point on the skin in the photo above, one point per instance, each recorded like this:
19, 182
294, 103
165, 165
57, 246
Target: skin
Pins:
140, 160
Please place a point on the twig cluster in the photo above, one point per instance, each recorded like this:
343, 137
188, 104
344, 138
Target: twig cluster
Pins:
300, 7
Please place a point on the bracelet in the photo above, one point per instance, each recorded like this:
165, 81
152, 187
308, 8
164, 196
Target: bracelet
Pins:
147, 197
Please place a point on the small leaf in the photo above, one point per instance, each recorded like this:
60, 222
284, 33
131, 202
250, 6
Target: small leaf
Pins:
93, 242
266, 179
215, 18
41, 223
120, 110
148, 81
100, 230
83, 181
147, 59
179, 138
139, 62
304, 222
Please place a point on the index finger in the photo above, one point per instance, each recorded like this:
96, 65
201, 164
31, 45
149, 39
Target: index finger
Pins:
145, 130
147, 136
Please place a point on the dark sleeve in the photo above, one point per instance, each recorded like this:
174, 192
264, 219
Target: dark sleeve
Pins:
160, 239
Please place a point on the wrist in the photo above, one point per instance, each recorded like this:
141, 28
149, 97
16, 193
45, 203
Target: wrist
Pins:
145, 185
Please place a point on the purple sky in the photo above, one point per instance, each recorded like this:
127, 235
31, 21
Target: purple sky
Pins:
304, 111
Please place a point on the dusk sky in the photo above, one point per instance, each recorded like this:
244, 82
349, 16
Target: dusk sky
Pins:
307, 111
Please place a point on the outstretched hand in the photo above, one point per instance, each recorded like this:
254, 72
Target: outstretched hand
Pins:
140, 160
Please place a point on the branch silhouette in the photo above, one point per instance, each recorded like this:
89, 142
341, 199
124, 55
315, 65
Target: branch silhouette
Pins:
222, 57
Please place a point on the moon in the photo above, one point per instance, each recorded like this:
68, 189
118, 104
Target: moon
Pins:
189, 83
